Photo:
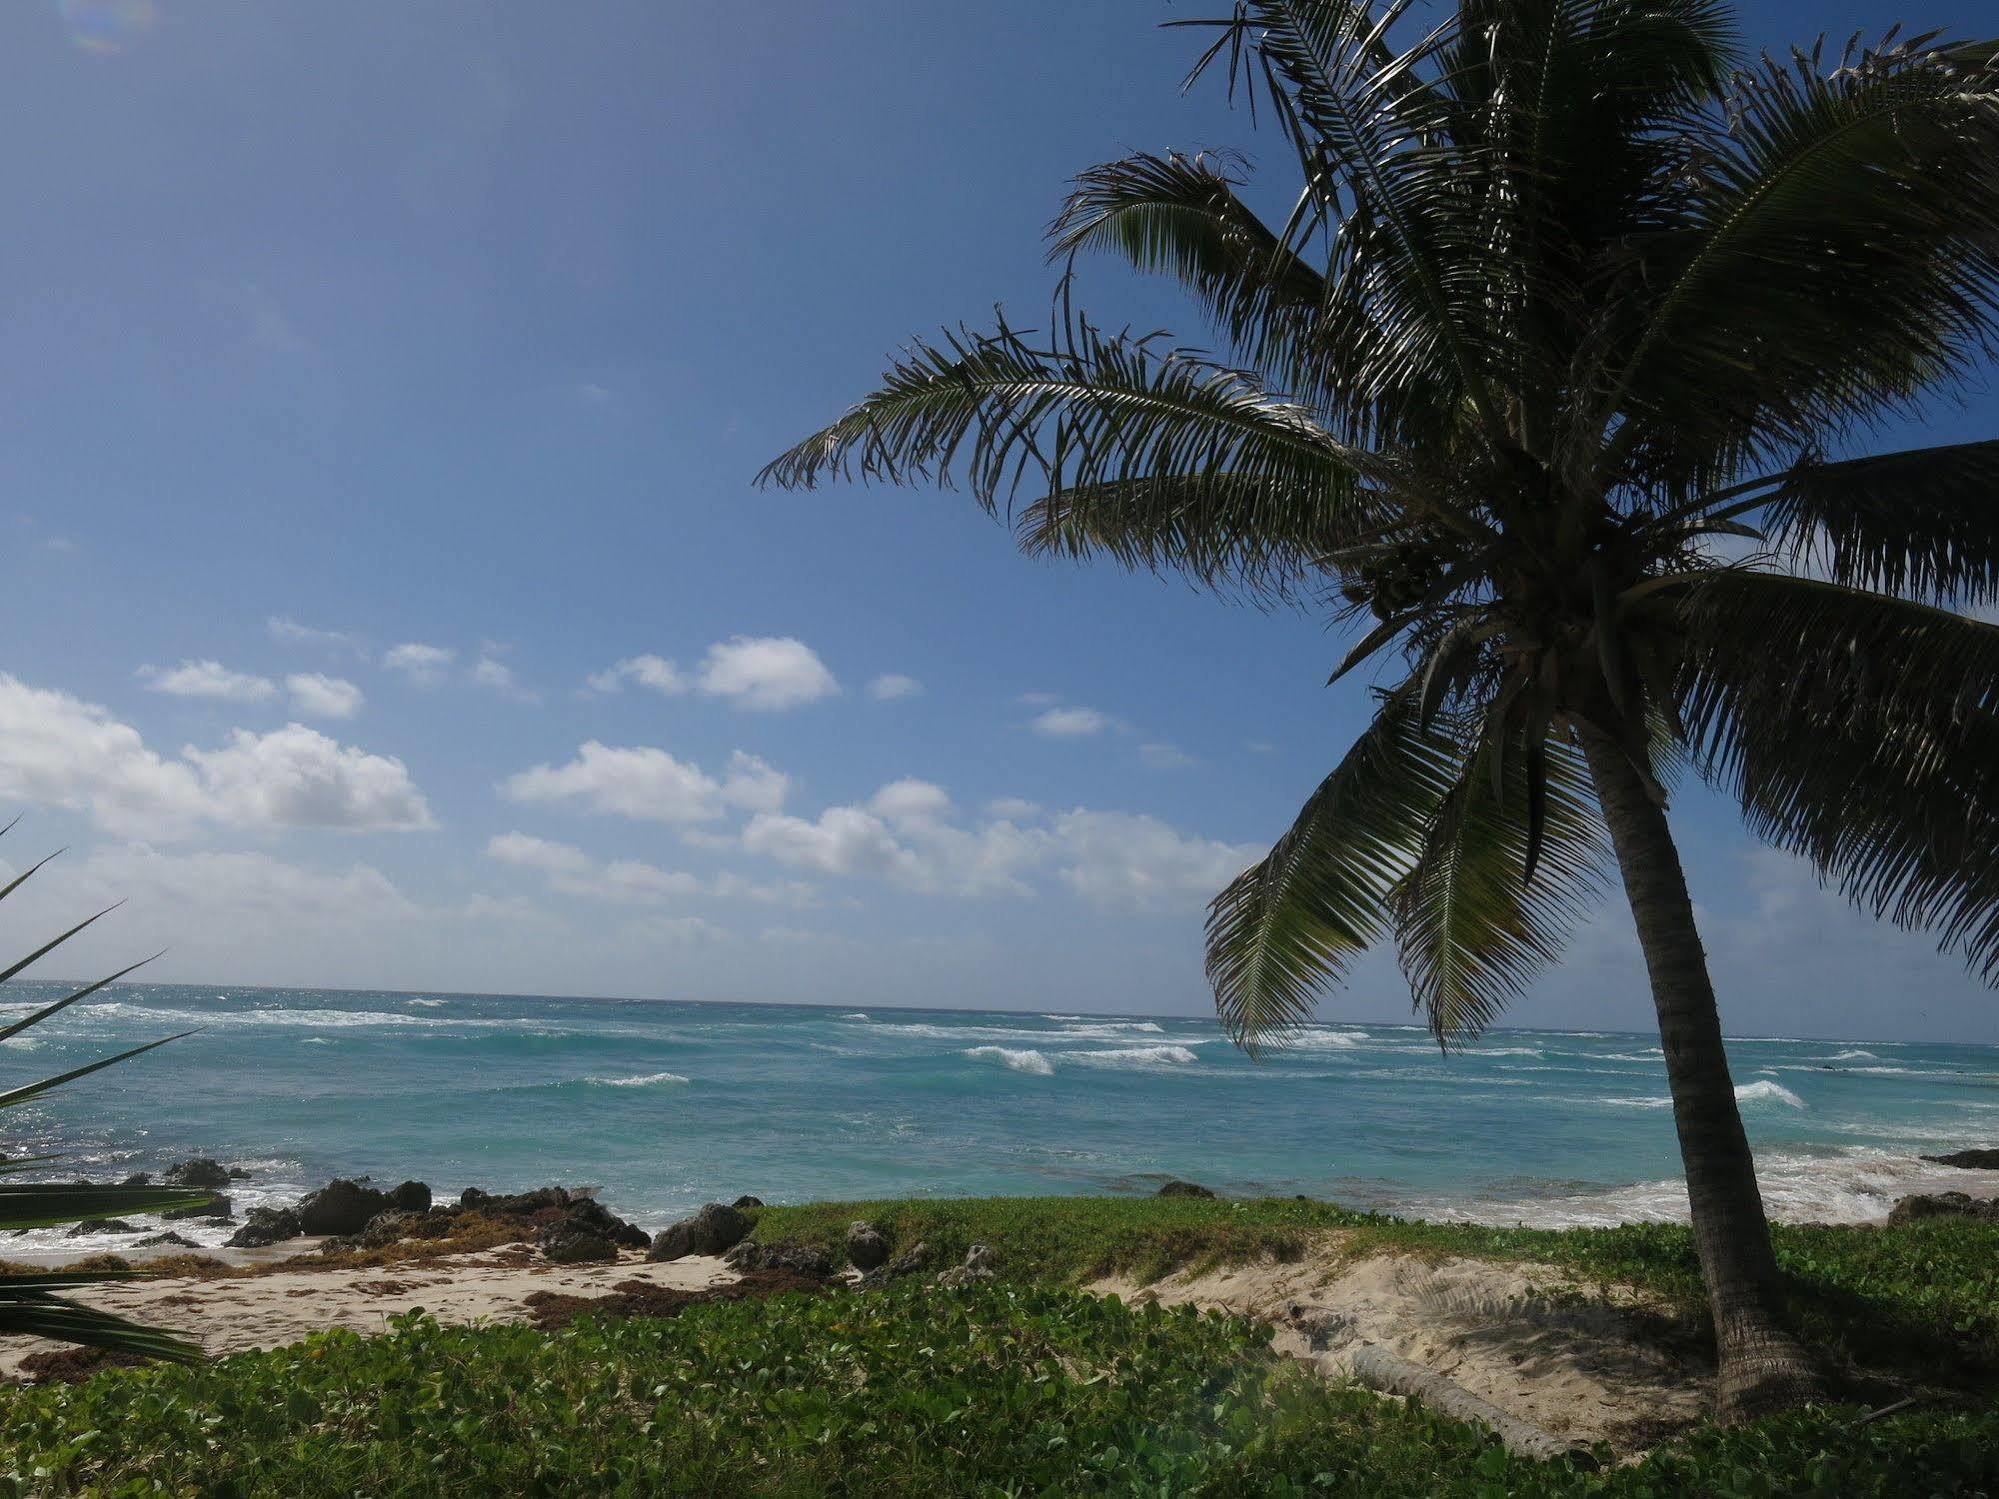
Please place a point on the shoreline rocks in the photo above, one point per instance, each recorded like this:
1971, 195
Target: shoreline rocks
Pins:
1177, 1188
1926, 1205
717, 1227
1968, 1160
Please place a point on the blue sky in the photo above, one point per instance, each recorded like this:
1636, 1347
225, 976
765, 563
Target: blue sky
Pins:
336, 331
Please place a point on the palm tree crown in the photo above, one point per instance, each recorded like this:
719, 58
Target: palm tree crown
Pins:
1565, 313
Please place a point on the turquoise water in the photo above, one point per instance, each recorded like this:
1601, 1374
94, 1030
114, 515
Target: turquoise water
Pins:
664, 1106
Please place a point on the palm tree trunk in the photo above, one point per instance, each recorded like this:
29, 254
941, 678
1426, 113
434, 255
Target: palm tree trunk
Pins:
1761, 1366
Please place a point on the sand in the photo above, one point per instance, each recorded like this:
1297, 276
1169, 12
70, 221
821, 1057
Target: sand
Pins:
1574, 1361
280, 1306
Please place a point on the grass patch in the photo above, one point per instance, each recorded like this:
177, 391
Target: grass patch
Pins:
996, 1389
1920, 1297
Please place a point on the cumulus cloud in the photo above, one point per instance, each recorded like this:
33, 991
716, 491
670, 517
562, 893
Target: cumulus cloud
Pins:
1071, 723
284, 627
911, 801
891, 685
208, 679
425, 665
1137, 861
490, 672
570, 871
1014, 808
901, 836
1166, 756
765, 672
649, 784
58, 750
319, 696
655, 673
296, 777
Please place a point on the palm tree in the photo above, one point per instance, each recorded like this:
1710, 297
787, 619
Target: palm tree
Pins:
1550, 373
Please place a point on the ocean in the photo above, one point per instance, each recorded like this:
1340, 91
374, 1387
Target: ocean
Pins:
663, 1106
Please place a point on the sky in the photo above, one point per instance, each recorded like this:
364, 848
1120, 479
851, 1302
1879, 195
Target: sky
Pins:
388, 603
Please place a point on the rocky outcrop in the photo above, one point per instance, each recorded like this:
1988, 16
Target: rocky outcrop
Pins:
907, 1263
1970, 1160
1945, 1205
138, 1179
217, 1206
1183, 1189
411, 1197
341, 1207
102, 1226
867, 1247
562, 1245
266, 1226
168, 1238
746, 1201
750, 1257
980, 1264
199, 1171
715, 1228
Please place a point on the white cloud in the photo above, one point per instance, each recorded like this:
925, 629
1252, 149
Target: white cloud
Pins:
284, 627
653, 672
496, 676
319, 696
765, 672
891, 685
1071, 723
208, 679
1166, 756
1133, 860
1014, 808
57, 750
901, 837
425, 665
570, 871
1038, 699
649, 784
910, 801
296, 777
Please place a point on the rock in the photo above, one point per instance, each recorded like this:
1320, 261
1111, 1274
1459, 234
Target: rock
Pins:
217, 1206
907, 1263
386, 1228
1183, 1189
980, 1263
340, 1207
200, 1171
1944, 1205
1970, 1160
265, 1226
411, 1197
587, 1215
866, 1247
238, 1174
749, 1257
169, 1237
101, 1226
517, 1204
138, 1179
715, 1228
573, 1246
747, 1201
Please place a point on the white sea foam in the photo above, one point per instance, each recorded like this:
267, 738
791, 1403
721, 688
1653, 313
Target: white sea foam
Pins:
427, 1004
855, 1015
1636, 1103
1767, 1092
1061, 1017
1851, 1056
1320, 1040
1136, 1056
1108, 1029
651, 1079
1019, 1061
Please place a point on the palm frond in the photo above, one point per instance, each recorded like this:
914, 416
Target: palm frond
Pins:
1859, 731
1285, 929
1472, 928
1840, 255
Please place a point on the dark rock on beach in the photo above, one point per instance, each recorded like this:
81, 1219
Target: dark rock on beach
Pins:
746, 1201
168, 1238
102, 1226
908, 1262
749, 1257
1183, 1189
411, 1197
266, 1226
1944, 1205
1970, 1160
138, 1179
200, 1171
340, 1207
562, 1245
866, 1246
715, 1228
217, 1206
